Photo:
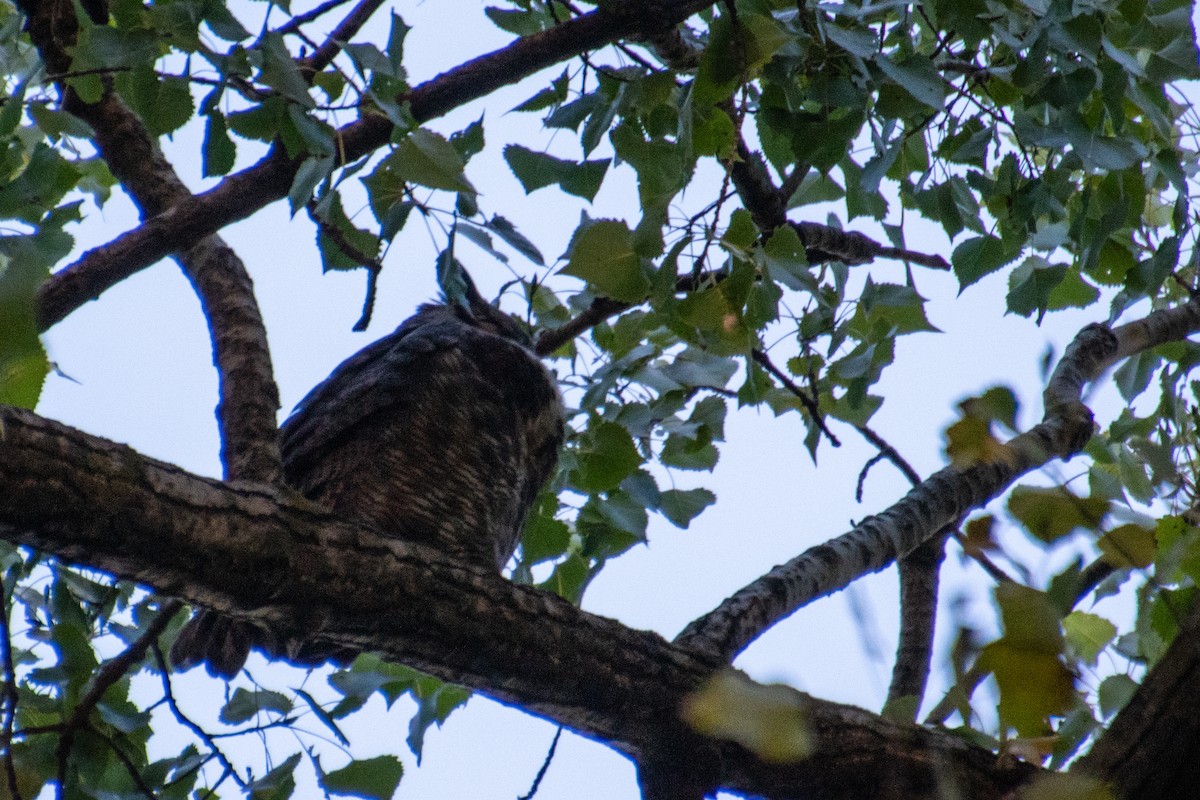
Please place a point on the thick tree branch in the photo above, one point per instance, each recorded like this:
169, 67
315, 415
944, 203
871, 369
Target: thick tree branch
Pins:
263, 554
248, 395
243, 193
941, 499
1151, 751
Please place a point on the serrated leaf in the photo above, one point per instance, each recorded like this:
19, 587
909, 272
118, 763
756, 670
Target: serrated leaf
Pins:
245, 704
278, 784
977, 257
219, 151
602, 254
917, 76
1088, 634
681, 506
515, 239
544, 538
426, 158
606, 458
323, 715
537, 170
372, 778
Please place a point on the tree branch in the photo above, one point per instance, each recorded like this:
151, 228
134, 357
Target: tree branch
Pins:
1150, 749
248, 395
941, 499
346, 30
262, 554
242, 194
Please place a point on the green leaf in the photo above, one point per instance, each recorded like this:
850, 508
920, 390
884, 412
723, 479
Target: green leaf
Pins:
373, 778
245, 704
23, 362
602, 254
537, 170
281, 73
219, 152
426, 158
1114, 693
1128, 545
342, 245
918, 76
469, 141
606, 457
1052, 513
515, 239
323, 715
1088, 634
1031, 284
977, 257
681, 506
544, 538
278, 784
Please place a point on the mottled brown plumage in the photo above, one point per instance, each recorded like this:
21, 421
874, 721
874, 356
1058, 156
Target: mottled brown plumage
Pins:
442, 433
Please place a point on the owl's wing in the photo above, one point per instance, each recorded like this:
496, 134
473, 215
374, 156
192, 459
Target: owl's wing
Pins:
390, 371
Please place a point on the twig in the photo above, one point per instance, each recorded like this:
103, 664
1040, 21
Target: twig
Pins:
295, 23
541, 773
343, 33
183, 719
130, 767
809, 403
112, 671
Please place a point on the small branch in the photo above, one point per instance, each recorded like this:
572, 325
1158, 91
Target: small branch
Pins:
112, 671
130, 767
541, 773
294, 24
919, 578
810, 403
601, 309
165, 672
343, 33
940, 500
890, 453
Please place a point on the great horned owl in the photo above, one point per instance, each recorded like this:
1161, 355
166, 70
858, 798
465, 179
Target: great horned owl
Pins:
442, 432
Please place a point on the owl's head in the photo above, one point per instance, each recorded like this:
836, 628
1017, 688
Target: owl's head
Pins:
460, 294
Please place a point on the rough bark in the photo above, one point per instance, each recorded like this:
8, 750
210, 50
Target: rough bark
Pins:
263, 554
249, 397
1151, 750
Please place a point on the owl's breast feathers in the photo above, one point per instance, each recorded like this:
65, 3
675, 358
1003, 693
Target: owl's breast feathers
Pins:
442, 432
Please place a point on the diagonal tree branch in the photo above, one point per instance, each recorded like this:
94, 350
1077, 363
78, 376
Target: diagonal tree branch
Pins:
242, 194
262, 554
249, 397
941, 499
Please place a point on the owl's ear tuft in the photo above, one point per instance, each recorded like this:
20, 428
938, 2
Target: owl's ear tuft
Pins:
458, 290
